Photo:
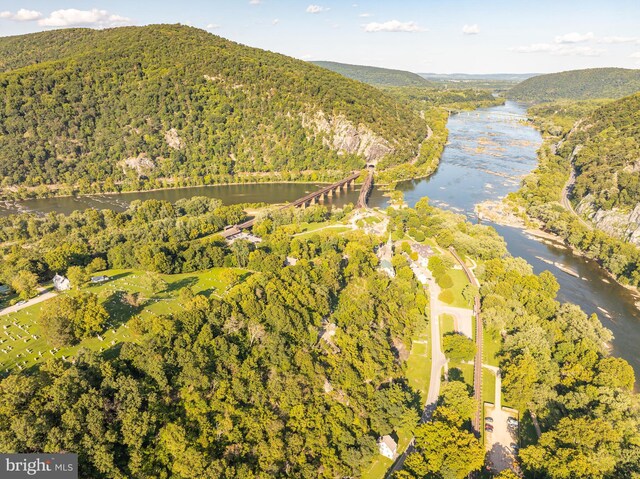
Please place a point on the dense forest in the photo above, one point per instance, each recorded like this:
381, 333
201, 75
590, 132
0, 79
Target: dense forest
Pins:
111, 107
243, 385
375, 75
578, 85
605, 148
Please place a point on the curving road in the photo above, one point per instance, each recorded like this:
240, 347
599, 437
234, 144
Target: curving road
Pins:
564, 197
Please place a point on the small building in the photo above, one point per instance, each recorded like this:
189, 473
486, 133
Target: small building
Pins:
387, 446
99, 279
60, 283
385, 253
424, 253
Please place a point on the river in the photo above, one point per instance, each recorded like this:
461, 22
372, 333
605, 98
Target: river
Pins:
488, 152
229, 194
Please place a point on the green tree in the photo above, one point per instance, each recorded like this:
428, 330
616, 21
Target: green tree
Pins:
25, 283
458, 347
444, 451
77, 276
576, 448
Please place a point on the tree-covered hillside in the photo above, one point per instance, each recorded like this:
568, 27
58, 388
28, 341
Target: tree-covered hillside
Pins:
608, 158
578, 85
81, 106
375, 75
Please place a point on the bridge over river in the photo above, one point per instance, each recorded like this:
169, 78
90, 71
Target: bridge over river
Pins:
313, 198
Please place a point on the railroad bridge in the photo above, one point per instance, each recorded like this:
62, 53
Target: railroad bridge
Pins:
313, 198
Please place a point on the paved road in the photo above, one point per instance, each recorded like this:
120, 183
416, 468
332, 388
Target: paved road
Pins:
438, 361
43, 296
564, 198
463, 320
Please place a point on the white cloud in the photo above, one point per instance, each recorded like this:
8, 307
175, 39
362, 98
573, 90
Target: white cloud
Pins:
471, 29
559, 49
212, 26
619, 40
574, 37
22, 15
635, 55
255, 2
392, 26
365, 15
316, 9
73, 17
275, 21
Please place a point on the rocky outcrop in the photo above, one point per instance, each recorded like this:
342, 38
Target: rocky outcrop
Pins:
342, 135
173, 139
616, 222
141, 164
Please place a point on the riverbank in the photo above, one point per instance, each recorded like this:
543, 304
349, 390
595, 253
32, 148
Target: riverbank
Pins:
506, 214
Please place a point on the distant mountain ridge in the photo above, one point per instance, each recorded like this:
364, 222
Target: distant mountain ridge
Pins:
515, 77
375, 75
578, 85
79, 106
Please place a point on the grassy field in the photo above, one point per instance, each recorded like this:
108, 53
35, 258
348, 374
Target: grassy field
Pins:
459, 282
490, 347
488, 386
419, 363
21, 338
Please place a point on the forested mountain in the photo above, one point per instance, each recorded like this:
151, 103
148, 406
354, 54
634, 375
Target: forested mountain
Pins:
605, 150
80, 106
578, 85
600, 142
375, 75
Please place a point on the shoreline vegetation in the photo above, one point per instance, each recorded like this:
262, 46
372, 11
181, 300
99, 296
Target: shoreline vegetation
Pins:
536, 207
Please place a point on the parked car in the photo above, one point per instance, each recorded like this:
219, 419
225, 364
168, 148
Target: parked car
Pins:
514, 447
512, 421
488, 419
488, 427
20, 303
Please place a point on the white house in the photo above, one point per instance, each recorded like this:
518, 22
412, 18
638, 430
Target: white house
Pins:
60, 283
388, 447
424, 253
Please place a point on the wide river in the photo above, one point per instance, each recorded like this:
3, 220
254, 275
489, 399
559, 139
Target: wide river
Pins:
489, 151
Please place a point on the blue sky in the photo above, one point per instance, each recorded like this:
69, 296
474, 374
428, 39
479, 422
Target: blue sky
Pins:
443, 36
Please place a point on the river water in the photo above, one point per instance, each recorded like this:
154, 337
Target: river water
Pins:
489, 151
229, 194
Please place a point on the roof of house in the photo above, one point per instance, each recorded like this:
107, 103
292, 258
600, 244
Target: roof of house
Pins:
389, 442
423, 250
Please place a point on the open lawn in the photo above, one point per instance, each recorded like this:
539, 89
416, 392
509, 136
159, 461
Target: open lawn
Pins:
490, 347
378, 468
25, 347
419, 364
488, 386
459, 282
